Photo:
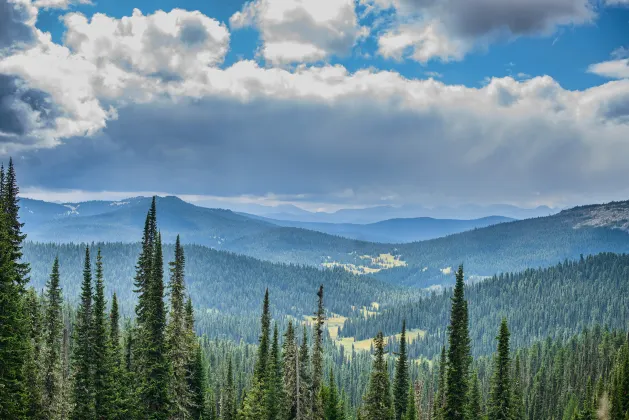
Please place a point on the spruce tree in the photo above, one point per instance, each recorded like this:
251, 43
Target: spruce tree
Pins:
274, 379
32, 366
401, 380
378, 404
15, 236
104, 397
517, 405
440, 399
317, 358
14, 339
500, 397
228, 397
289, 374
114, 331
475, 410
304, 378
263, 347
333, 406
53, 325
411, 407
198, 388
459, 356
180, 347
83, 349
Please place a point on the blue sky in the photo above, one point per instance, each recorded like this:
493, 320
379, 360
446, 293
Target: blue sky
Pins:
320, 103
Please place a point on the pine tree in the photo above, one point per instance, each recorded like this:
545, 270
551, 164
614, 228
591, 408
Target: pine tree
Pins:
228, 397
114, 331
517, 404
440, 399
104, 397
32, 367
256, 406
500, 397
274, 379
317, 358
333, 406
459, 356
411, 407
153, 367
180, 350
289, 374
378, 404
198, 386
304, 378
53, 325
83, 349
475, 410
15, 237
401, 380
14, 342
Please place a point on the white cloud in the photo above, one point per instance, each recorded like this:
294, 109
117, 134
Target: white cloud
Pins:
58, 4
614, 69
301, 30
449, 29
382, 127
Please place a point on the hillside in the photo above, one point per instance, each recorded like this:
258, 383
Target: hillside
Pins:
219, 280
553, 302
511, 246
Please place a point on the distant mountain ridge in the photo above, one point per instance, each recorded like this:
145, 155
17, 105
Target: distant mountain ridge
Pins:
122, 220
508, 246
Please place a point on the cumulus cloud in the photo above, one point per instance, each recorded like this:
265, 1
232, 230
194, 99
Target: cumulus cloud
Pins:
17, 18
301, 30
164, 116
613, 69
448, 29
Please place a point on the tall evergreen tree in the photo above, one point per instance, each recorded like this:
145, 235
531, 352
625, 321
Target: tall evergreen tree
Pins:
401, 380
14, 338
32, 366
378, 404
304, 381
104, 397
475, 410
264, 342
500, 397
333, 406
459, 356
228, 397
83, 349
289, 374
274, 379
198, 387
517, 405
15, 237
440, 399
53, 325
411, 407
317, 358
114, 331
180, 344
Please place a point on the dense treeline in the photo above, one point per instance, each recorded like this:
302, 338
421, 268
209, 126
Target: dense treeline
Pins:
556, 302
84, 361
217, 279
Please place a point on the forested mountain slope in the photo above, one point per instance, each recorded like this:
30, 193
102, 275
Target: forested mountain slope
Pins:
219, 280
557, 302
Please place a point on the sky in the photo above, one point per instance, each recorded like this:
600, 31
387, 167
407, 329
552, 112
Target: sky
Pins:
324, 104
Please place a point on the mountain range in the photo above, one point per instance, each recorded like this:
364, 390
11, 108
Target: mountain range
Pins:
486, 246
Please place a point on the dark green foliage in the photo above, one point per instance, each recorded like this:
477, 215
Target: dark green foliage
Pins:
378, 404
317, 358
274, 379
83, 350
103, 380
304, 380
411, 406
475, 410
500, 398
401, 381
228, 397
53, 325
459, 356
333, 407
290, 371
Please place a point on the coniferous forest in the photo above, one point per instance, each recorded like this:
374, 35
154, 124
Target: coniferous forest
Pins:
147, 347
